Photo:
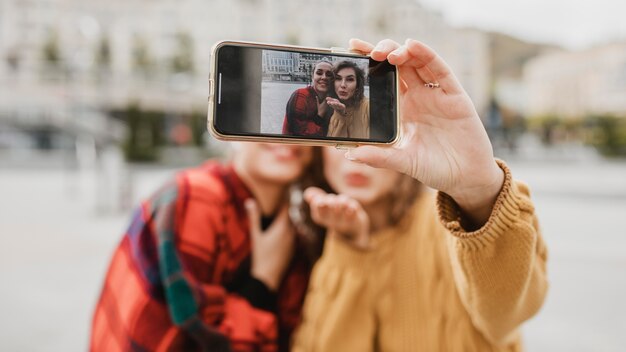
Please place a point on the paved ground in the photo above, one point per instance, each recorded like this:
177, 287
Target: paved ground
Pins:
274, 97
55, 246
581, 208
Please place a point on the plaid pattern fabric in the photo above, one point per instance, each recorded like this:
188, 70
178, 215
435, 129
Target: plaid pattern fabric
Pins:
167, 288
301, 117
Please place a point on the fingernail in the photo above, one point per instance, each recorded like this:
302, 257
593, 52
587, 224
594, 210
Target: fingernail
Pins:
248, 203
380, 47
351, 157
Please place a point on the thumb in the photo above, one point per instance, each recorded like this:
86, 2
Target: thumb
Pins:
380, 157
254, 217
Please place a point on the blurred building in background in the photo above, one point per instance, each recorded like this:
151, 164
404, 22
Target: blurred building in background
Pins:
509, 56
578, 84
69, 63
68, 66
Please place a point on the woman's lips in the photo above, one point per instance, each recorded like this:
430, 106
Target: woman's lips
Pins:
356, 179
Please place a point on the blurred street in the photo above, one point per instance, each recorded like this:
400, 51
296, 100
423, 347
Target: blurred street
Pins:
274, 98
581, 208
55, 246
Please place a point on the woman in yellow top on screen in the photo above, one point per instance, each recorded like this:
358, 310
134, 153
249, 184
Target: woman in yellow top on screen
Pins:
351, 117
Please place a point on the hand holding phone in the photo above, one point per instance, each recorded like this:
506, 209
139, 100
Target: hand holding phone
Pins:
444, 143
276, 93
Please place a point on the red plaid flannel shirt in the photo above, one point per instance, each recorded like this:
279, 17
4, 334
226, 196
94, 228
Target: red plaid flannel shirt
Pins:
169, 284
301, 118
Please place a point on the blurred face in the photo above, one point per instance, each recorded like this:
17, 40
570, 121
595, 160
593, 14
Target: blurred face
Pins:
345, 83
273, 163
365, 184
322, 77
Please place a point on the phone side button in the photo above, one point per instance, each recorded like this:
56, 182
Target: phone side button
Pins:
336, 49
346, 146
211, 89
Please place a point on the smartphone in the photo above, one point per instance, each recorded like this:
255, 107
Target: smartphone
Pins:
290, 94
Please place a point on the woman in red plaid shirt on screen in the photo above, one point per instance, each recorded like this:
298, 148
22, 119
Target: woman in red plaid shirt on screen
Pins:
307, 112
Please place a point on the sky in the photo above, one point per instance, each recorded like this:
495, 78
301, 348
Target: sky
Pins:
574, 24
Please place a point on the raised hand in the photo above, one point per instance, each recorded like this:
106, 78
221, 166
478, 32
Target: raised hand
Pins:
341, 215
322, 106
273, 248
443, 142
336, 105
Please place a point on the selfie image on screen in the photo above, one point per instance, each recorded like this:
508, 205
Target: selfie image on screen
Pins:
304, 94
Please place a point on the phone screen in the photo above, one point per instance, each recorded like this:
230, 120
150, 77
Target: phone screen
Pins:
304, 95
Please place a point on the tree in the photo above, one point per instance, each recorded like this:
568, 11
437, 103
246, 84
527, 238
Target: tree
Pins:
142, 60
51, 51
183, 58
144, 134
103, 53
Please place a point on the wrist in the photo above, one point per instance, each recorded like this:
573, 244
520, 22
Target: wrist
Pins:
477, 202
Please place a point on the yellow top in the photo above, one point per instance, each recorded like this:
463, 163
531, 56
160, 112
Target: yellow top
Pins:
355, 123
428, 287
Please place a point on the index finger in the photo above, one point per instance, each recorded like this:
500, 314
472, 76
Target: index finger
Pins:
428, 60
383, 48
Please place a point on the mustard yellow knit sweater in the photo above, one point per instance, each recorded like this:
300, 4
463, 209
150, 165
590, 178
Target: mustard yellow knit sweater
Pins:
431, 287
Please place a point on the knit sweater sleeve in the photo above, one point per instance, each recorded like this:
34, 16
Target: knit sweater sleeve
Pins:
499, 269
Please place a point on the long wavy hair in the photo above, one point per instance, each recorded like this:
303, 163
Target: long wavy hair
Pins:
311, 236
359, 93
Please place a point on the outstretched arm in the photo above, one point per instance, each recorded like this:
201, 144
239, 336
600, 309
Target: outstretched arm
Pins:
443, 142
499, 269
496, 250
